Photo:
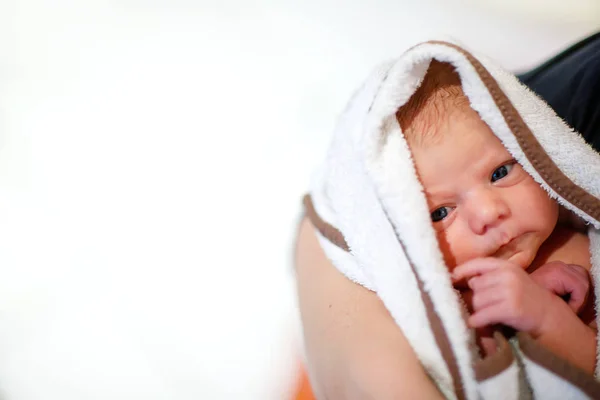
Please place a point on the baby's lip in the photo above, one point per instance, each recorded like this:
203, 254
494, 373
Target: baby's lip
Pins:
507, 249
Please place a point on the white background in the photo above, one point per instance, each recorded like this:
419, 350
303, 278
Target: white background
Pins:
152, 159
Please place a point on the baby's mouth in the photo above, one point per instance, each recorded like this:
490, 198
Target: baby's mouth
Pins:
507, 250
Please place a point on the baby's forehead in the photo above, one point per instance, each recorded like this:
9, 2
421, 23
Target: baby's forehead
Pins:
437, 119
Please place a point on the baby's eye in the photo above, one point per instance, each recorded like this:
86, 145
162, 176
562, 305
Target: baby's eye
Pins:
440, 213
501, 172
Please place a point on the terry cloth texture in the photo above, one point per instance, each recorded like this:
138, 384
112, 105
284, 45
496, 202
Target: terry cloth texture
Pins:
359, 197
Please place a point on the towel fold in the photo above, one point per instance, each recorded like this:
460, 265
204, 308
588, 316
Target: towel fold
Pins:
360, 195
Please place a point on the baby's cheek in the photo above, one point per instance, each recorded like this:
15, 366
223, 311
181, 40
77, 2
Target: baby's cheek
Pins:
445, 248
454, 251
535, 206
458, 245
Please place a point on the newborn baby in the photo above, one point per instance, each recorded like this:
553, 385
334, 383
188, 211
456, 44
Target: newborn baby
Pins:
497, 229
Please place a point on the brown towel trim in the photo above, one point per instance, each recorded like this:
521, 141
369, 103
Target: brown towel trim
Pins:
331, 233
559, 366
441, 337
540, 161
440, 334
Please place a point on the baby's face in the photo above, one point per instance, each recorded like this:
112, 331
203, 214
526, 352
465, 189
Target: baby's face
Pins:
482, 203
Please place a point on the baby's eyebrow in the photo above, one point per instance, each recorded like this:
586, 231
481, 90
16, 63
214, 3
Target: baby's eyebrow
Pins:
438, 194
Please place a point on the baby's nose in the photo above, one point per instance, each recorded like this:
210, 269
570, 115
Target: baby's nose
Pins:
486, 208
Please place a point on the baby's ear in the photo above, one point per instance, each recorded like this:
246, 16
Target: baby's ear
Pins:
570, 219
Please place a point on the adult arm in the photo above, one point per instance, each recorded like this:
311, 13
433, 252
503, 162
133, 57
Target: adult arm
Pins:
354, 348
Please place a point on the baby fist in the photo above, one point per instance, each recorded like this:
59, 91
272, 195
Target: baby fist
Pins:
569, 281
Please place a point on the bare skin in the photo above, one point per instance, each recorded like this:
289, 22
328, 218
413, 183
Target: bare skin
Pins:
354, 348
492, 220
497, 230
529, 301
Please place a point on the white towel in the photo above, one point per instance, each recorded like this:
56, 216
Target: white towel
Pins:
362, 190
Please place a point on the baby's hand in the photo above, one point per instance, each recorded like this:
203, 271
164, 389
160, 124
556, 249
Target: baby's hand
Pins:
569, 281
503, 293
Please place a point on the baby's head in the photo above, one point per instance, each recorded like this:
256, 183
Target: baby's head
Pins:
482, 203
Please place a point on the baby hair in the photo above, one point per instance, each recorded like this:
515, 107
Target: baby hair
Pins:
439, 95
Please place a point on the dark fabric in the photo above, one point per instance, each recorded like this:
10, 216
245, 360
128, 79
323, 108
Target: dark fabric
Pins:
570, 83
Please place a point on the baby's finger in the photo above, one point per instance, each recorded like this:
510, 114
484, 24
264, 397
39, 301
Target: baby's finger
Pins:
476, 267
499, 313
487, 316
579, 291
562, 279
484, 282
486, 298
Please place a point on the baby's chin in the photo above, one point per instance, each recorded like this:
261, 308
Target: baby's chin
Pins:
521, 251
522, 258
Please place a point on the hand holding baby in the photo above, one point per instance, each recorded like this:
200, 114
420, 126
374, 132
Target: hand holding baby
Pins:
537, 303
